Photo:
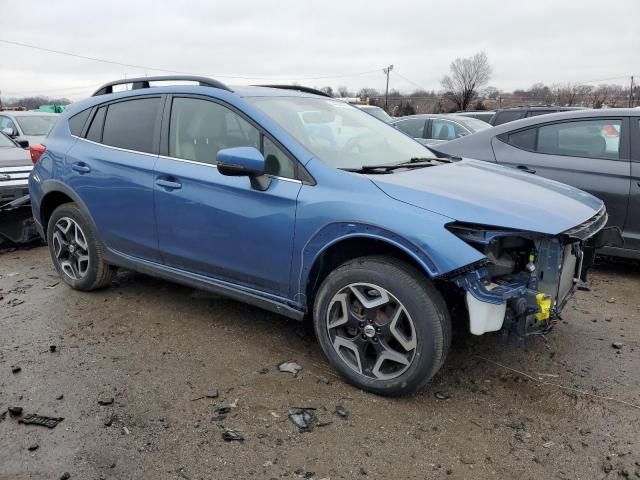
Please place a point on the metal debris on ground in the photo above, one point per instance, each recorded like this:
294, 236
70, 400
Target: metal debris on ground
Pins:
33, 419
15, 411
212, 393
304, 418
342, 412
290, 367
232, 436
441, 395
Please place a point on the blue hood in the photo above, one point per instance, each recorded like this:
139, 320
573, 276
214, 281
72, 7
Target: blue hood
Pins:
482, 193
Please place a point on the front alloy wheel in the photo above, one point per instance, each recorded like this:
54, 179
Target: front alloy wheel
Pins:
382, 324
371, 331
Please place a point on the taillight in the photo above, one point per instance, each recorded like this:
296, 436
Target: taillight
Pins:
36, 152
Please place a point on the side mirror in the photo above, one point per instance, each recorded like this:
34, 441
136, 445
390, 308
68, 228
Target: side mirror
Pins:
22, 143
244, 162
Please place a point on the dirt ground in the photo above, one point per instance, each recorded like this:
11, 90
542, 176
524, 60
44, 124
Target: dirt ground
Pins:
158, 349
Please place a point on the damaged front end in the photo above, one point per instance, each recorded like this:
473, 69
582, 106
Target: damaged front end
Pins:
17, 227
527, 277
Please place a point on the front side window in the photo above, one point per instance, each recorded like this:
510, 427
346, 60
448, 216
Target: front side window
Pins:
445, 130
131, 124
414, 127
590, 138
5, 122
36, 125
198, 129
5, 142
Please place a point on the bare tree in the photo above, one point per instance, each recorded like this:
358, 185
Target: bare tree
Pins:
328, 90
608, 95
468, 75
344, 92
367, 92
570, 94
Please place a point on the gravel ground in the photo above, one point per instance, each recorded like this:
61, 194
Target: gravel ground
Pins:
157, 349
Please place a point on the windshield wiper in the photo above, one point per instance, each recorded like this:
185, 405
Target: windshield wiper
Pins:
428, 159
391, 167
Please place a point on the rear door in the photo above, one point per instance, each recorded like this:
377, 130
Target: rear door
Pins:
632, 223
591, 154
217, 225
111, 168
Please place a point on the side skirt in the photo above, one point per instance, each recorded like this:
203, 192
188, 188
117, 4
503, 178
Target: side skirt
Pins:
202, 282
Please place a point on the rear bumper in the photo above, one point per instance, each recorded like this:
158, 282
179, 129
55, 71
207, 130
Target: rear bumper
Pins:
17, 227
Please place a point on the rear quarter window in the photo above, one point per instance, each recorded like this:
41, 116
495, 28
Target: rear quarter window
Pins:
76, 123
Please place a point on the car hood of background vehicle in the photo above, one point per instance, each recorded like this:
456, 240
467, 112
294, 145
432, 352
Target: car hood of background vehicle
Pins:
14, 157
478, 192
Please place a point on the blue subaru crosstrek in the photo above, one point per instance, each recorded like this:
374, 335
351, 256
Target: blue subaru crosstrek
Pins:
308, 207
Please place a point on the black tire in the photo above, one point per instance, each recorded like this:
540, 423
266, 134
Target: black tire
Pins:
425, 308
98, 273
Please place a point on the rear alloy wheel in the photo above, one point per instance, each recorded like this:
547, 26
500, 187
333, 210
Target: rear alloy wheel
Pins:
70, 248
382, 325
75, 249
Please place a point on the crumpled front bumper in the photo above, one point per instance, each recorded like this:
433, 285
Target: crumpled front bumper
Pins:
531, 301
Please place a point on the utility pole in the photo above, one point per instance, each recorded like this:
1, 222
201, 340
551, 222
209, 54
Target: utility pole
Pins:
631, 93
387, 71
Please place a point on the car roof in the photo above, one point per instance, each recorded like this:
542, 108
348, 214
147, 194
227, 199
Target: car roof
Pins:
22, 113
425, 115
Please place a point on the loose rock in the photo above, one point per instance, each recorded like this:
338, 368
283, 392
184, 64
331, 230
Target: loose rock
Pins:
341, 412
105, 401
15, 411
617, 345
441, 395
232, 436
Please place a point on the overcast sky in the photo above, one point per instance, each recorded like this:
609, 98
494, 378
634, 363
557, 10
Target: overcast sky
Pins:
264, 41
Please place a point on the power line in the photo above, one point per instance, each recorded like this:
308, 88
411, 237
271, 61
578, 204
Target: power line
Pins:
179, 72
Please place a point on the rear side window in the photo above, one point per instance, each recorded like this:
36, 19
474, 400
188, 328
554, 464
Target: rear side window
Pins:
413, 127
507, 116
95, 130
131, 124
76, 123
592, 138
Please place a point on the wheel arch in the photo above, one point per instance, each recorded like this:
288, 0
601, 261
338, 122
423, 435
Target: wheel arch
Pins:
347, 247
55, 194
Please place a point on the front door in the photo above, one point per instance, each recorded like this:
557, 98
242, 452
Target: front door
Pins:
216, 225
590, 154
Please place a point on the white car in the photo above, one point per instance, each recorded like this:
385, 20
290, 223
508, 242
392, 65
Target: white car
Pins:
26, 127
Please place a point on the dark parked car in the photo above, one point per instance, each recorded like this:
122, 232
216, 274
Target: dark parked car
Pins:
306, 206
432, 129
484, 115
510, 114
16, 223
595, 150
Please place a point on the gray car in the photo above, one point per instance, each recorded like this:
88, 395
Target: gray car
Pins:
27, 127
594, 150
433, 129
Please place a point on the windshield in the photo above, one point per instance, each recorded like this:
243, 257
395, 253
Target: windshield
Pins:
472, 124
5, 142
340, 134
36, 124
377, 112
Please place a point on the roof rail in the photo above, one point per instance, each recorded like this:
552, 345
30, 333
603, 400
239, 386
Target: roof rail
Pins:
298, 88
143, 82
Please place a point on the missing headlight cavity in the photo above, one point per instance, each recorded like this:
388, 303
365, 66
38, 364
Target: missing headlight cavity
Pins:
525, 282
